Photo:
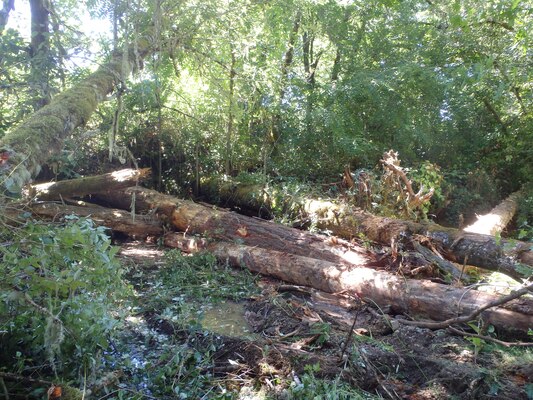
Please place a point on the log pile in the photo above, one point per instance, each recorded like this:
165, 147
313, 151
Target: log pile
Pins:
326, 263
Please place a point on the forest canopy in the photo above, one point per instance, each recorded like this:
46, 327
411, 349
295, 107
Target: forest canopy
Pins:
288, 88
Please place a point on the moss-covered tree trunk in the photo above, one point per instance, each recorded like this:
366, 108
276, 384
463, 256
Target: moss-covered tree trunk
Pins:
28, 146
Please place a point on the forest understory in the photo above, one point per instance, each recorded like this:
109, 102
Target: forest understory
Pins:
248, 199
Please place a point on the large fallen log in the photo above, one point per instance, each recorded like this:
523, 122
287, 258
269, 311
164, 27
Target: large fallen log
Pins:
412, 297
511, 257
496, 219
117, 220
88, 185
220, 224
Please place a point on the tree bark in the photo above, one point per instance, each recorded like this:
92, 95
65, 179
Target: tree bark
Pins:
121, 221
41, 62
28, 146
88, 185
7, 7
415, 298
513, 258
497, 219
220, 224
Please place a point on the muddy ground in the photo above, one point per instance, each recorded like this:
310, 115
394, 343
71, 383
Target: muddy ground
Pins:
284, 332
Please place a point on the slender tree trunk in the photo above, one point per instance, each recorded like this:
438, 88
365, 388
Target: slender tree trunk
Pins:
41, 62
229, 131
7, 7
285, 67
41, 135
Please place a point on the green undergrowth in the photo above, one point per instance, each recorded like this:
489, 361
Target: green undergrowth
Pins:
61, 286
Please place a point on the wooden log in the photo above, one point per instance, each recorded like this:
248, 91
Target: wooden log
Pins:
412, 297
220, 224
497, 219
88, 185
511, 257
117, 220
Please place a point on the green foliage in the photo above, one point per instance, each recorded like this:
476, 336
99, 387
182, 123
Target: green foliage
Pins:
200, 276
309, 387
59, 285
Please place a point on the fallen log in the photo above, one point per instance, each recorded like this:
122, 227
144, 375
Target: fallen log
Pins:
220, 224
117, 220
88, 185
496, 219
412, 297
511, 257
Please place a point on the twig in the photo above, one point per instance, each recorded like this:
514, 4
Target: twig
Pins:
20, 378
489, 339
466, 318
4, 388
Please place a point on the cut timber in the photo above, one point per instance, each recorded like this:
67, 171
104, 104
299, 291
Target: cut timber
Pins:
225, 225
412, 297
88, 185
497, 219
27, 147
513, 258
117, 220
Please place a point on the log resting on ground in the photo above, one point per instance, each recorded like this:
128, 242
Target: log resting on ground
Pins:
479, 250
496, 219
88, 185
220, 224
117, 220
412, 297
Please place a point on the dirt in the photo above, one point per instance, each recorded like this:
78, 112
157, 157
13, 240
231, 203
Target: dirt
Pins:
294, 327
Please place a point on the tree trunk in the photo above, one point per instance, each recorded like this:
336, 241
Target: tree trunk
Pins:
220, 224
89, 185
41, 62
513, 258
415, 298
28, 146
497, 219
118, 220
7, 6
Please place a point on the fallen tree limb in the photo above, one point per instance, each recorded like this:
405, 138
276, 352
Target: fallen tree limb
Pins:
88, 185
466, 318
511, 257
117, 220
415, 298
489, 338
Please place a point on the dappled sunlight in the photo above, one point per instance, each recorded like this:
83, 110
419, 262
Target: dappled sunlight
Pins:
123, 175
354, 258
141, 252
485, 224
